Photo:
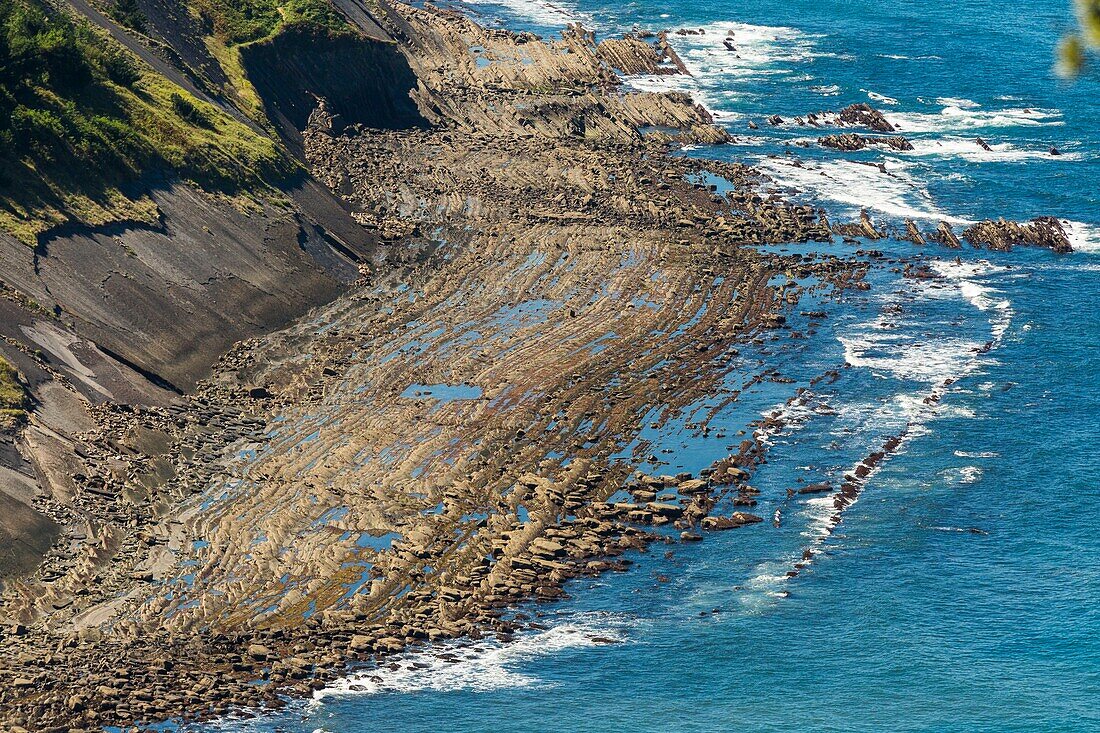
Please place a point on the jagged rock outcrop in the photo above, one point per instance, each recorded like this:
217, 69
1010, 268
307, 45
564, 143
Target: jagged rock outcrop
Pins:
851, 142
864, 228
946, 236
913, 233
1002, 235
865, 115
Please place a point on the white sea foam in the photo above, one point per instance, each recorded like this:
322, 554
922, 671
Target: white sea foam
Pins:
958, 102
485, 665
932, 360
968, 148
894, 192
964, 475
955, 118
901, 57
1083, 237
880, 98
718, 74
542, 12
978, 454
980, 296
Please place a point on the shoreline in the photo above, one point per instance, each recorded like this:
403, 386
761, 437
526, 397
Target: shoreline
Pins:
546, 255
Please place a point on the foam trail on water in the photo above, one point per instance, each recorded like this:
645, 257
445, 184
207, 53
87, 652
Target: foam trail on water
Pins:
960, 118
483, 665
894, 192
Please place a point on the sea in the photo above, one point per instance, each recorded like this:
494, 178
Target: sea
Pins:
961, 590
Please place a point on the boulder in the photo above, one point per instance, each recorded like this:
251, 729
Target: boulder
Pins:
668, 511
737, 519
360, 643
259, 652
867, 116
693, 486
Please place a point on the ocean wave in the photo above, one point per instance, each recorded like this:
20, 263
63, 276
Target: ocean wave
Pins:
969, 149
1083, 237
905, 358
960, 102
880, 98
480, 666
954, 117
542, 12
719, 72
893, 191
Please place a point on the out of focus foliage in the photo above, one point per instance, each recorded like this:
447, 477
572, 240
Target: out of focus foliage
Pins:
1074, 51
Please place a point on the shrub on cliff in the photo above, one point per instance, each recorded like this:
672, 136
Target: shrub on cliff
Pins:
128, 13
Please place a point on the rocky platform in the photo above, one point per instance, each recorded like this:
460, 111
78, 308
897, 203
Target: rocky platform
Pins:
443, 442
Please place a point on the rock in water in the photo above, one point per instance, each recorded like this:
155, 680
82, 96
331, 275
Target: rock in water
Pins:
912, 233
867, 116
945, 235
852, 141
737, 519
1002, 235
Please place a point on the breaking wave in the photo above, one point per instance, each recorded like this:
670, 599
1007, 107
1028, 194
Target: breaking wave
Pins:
482, 665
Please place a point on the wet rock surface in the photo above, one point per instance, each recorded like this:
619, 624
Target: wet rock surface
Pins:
852, 142
1002, 235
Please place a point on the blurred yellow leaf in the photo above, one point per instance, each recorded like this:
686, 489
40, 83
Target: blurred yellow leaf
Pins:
1071, 56
1088, 15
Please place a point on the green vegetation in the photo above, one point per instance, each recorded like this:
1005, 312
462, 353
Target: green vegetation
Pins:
235, 24
1073, 52
82, 120
128, 14
14, 400
247, 21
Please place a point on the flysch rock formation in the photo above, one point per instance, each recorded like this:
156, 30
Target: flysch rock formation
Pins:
529, 279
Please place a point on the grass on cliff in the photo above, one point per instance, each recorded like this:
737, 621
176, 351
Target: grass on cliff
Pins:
14, 400
83, 121
247, 21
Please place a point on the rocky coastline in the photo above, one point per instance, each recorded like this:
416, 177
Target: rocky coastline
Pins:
462, 432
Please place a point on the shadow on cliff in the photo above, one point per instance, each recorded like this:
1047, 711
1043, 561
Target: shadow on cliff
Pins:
364, 80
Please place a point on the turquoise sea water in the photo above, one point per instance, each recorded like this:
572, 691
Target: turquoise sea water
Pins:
962, 591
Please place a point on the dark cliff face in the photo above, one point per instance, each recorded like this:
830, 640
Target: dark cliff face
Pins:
168, 300
364, 80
